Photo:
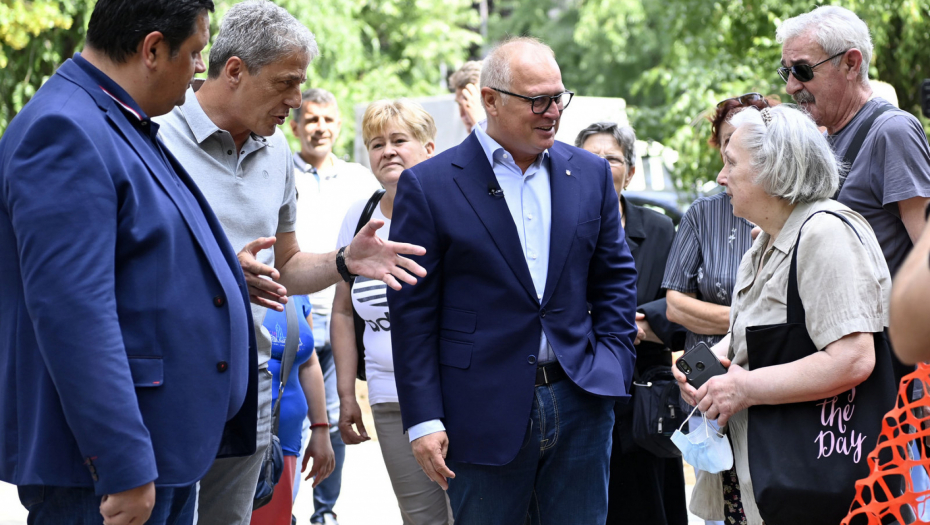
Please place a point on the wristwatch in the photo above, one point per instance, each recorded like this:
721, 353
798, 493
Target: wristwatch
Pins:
341, 265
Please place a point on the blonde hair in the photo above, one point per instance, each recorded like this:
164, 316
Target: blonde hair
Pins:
404, 112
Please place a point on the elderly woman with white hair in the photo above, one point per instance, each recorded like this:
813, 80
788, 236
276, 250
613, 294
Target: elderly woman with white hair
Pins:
805, 355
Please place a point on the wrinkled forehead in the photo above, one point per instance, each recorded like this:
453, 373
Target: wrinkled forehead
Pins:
802, 49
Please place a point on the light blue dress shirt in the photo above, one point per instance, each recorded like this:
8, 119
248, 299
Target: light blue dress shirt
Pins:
529, 200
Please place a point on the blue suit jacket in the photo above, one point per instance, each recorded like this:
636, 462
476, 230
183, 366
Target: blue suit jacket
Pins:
466, 337
119, 361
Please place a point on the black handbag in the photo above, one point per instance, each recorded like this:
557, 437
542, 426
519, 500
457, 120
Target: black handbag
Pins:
805, 458
359, 323
657, 411
273, 462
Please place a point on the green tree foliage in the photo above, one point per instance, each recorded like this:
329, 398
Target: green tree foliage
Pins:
369, 49
673, 60
35, 37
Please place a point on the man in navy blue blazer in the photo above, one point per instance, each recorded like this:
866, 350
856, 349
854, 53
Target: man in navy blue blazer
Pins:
127, 357
510, 354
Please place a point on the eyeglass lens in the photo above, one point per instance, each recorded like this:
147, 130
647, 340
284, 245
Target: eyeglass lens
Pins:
541, 104
744, 100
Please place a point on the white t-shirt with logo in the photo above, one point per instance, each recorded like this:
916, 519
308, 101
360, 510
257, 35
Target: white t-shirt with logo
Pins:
369, 298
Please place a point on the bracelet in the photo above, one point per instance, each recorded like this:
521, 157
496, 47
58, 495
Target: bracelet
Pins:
927, 212
319, 425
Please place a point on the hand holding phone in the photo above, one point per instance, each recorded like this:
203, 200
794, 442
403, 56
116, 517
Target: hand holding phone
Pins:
700, 364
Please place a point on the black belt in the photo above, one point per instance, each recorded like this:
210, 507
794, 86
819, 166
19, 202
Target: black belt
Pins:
550, 373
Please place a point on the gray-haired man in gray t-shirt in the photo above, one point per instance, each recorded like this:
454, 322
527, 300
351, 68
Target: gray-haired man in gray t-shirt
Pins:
825, 59
226, 137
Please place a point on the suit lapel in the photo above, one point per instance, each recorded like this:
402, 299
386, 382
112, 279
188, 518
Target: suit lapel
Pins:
473, 178
565, 201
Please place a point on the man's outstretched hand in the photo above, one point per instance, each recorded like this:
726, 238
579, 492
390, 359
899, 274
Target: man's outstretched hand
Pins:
261, 278
370, 256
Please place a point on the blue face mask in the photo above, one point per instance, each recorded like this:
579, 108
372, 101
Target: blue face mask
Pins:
704, 448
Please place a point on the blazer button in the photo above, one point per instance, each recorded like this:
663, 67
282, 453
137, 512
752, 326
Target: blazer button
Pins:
218, 301
222, 366
542, 313
531, 359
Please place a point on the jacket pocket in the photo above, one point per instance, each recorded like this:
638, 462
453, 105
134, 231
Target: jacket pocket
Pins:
456, 354
147, 372
458, 320
588, 228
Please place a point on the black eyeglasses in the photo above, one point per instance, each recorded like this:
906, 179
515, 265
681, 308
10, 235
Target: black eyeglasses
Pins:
744, 100
541, 103
803, 72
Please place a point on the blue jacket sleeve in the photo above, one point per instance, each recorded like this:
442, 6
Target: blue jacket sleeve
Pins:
612, 285
414, 309
64, 206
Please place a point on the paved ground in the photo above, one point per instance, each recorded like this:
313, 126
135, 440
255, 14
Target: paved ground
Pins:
367, 498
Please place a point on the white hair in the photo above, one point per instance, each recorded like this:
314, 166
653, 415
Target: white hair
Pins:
836, 29
790, 156
259, 33
495, 68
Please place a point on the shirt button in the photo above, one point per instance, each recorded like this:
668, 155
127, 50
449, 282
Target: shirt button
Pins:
529, 217
222, 366
218, 301
505, 156
229, 152
531, 359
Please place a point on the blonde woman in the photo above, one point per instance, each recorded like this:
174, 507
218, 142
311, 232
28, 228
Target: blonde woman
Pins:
398, 134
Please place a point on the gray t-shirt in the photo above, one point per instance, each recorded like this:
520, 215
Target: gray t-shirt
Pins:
892, 166
252, 193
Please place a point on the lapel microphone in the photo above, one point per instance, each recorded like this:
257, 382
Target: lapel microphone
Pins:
495, 191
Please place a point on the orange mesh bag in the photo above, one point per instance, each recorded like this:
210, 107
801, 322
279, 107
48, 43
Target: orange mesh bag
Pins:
905, 428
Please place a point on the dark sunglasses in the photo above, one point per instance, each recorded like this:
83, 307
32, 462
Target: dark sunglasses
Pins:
803, 72
541, 103
744, 100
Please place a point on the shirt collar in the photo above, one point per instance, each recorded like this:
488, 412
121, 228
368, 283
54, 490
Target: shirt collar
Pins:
495, 151
330, 172
788, 235
202, 126
111, 88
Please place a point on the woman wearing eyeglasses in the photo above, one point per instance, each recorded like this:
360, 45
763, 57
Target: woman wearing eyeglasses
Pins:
701, 269
644, 489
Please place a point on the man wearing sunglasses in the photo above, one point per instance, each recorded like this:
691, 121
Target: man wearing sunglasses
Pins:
825, 62
506, 382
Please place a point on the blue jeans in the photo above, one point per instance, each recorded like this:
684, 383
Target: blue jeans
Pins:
560, 473
327, 492
80, 506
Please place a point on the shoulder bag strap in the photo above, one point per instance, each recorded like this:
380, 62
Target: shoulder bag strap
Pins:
287, 360
359, 323
856, 144
795, 307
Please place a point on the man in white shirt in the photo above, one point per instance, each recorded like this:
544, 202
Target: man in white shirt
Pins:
326, 187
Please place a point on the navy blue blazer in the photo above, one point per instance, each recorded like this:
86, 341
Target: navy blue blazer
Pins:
126, 342
466, 337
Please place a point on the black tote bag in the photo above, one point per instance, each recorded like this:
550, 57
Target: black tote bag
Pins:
804, 458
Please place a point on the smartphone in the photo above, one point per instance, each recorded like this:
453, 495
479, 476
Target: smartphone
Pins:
700, 364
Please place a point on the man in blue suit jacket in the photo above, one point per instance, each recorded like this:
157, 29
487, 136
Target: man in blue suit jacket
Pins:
127, 358
510, 354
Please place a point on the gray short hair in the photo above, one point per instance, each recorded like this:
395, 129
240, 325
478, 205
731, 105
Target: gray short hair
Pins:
790, 156
836, 29
259, 32
469, 73
624, 135
317, 96
495, 69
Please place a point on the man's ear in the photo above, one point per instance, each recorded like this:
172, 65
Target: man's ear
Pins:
154, 50
853, 60
234, 70
490, 101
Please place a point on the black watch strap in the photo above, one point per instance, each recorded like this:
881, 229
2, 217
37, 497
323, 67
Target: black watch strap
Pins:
341, 265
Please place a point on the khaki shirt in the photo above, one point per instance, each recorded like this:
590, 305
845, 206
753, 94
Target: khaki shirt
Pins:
845, 287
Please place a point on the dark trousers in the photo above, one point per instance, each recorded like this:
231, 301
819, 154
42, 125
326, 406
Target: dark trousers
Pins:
48, 505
